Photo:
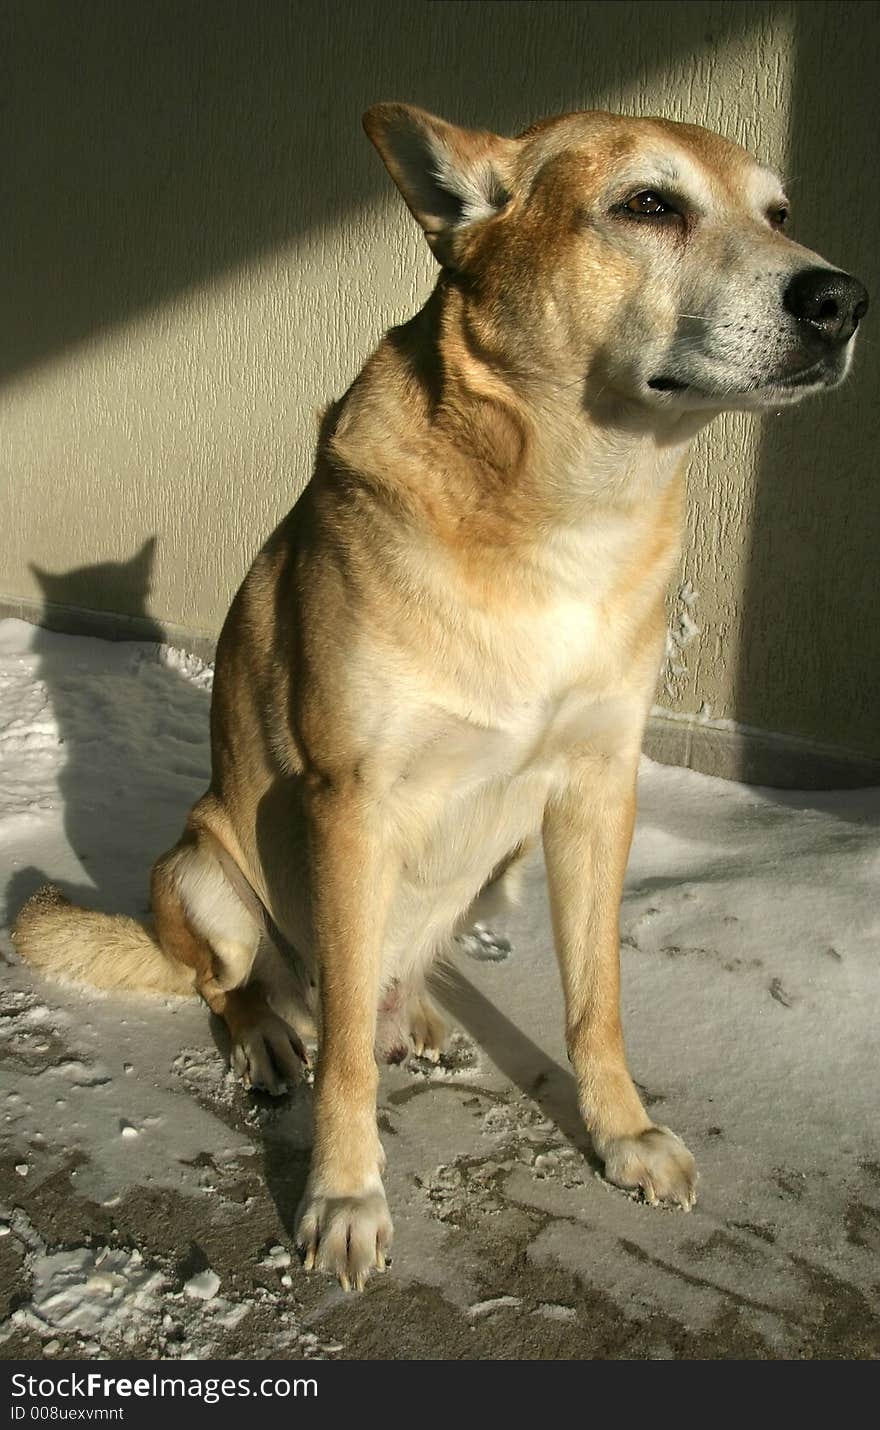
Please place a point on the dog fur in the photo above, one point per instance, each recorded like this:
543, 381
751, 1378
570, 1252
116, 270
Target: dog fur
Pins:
448, 649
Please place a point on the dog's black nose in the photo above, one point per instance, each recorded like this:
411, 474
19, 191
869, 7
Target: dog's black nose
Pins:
832, 303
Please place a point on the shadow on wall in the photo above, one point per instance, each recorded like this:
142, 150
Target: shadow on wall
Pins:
810, 647
151, 147
102, 724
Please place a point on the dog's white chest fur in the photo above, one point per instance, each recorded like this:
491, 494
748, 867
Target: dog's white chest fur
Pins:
474, 739
479, 769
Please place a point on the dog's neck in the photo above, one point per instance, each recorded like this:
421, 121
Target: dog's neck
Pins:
604, 454
466, 429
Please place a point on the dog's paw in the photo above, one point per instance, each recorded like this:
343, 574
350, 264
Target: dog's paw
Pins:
408, 1023
482, 943
427, 1029
268, 1055
656, 1163
347, 1236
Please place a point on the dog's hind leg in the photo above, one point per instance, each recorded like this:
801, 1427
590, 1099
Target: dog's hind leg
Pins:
202, 922
408, 1020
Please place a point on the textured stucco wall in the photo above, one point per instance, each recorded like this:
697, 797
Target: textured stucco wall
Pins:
202, 247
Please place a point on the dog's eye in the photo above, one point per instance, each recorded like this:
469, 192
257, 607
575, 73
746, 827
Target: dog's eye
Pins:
778, 218
648, 205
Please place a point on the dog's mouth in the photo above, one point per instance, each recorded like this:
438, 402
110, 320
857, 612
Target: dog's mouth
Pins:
804, 376
667, 384
813, 374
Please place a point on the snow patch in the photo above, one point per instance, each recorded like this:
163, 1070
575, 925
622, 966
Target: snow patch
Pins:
203, 1286
111, 1292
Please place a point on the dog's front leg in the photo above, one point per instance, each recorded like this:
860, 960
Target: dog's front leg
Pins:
344, 1225
587, 834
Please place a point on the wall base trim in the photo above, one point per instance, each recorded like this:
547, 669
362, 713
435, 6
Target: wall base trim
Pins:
107, 625
756, 757
739, 753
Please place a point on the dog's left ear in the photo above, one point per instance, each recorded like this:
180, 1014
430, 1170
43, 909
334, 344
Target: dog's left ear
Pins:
450, 177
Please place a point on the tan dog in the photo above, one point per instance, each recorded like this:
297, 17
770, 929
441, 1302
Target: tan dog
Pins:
450, 645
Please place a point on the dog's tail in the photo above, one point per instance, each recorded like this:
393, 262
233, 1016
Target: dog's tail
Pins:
108, 951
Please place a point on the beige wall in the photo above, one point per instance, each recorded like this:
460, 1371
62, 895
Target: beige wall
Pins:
202, 248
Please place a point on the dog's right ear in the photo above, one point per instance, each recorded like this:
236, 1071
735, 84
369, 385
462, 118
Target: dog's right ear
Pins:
450, 177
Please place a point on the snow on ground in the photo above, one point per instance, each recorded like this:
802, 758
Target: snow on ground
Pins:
147, 1203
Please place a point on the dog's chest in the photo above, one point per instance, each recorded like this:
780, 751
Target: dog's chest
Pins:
520, 688
454, 756
477, 772
488, 721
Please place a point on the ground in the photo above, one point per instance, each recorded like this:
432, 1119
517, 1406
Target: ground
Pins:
147, 1201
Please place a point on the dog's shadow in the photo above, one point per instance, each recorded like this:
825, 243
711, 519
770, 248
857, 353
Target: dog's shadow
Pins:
526, 1066
285, 1133
119, 810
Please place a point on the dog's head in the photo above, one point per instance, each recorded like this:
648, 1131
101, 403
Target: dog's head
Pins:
643, 258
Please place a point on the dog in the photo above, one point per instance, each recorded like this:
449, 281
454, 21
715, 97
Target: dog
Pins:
448, 649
